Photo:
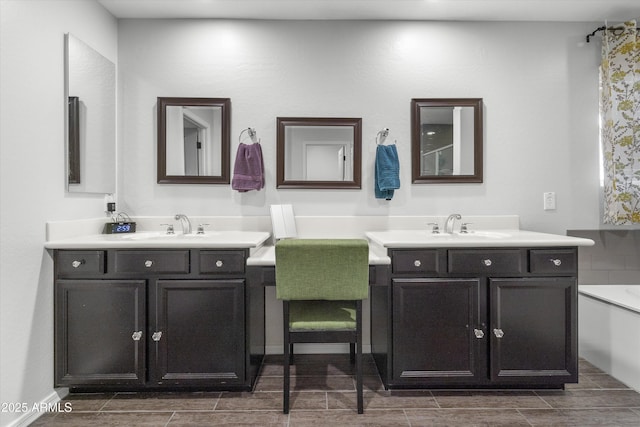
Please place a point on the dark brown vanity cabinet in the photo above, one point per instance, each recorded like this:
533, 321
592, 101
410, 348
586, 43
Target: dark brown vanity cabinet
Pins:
140, 319
477, 318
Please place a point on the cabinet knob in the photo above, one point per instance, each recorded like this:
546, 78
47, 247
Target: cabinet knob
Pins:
487, 262
557, 262
77, 263
219, 263
156, 336
479, 333
499, 333
136, 335
148, 263
417, 263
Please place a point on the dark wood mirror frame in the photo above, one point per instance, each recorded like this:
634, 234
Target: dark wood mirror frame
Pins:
354, 123
74, 140
225, 105
416, 105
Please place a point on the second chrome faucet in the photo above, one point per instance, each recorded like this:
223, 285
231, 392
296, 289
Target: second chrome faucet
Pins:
185, 222
450, 222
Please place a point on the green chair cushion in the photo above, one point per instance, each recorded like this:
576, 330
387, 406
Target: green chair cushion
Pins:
327, 269
322, 315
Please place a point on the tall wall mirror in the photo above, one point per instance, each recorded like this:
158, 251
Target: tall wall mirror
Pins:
193, 140
446, 140
319, 152
90, 86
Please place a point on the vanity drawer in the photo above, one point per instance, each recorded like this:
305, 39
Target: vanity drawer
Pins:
222, 262
161, 261
486, 261
423, 261
80, 262
553, 261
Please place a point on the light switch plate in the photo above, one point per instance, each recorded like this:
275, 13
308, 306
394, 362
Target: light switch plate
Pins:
549, 201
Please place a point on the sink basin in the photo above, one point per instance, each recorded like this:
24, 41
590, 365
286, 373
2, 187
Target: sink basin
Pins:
161, 235
471, 235
425, 238
209, 239
474, 238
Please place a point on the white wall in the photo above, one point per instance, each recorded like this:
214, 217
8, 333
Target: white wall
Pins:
538, 81
33, 179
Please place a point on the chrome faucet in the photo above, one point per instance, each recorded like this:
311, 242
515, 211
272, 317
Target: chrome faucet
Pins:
450, 222
185, 222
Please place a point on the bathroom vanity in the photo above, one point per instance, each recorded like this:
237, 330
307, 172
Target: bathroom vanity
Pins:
492, 309
171, 312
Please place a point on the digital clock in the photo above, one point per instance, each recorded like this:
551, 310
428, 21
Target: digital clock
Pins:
119, 227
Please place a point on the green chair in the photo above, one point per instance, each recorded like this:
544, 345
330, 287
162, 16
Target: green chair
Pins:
322, 283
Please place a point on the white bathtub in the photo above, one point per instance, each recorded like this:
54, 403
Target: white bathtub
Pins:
609, 330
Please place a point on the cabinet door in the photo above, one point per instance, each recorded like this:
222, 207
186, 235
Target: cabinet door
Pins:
438, 337
533, 330
99, 332
198, 332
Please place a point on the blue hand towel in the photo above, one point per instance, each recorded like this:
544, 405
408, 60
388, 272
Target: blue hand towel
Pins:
248, 173
387, 171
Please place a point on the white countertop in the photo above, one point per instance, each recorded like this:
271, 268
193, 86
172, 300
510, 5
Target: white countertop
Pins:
266, 256
472, 239
159, 240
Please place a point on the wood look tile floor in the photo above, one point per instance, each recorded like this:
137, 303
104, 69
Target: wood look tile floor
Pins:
323, 394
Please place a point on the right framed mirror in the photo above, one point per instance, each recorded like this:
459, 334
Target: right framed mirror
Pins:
446, 140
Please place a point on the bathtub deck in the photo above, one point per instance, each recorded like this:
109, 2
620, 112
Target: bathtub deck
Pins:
609, 331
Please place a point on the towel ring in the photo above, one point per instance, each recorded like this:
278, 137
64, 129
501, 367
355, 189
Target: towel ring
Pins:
252, 135
381, 136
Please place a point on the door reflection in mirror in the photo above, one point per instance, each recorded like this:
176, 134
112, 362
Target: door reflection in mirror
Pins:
319, 153
193, 140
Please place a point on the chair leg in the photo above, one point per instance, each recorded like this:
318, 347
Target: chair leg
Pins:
352, 352
285, 358
291, 353
359, 385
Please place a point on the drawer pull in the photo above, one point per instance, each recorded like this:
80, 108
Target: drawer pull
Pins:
148, 263
76, 263
417, 263
156, 336
479, 333
136, 335
487, 262
499, 333
219, 263
557, 262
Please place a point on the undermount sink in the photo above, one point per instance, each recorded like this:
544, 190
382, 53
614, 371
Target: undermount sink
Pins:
472, 238
472, 235
161, 235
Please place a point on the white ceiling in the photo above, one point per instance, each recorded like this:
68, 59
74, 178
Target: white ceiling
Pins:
456, 10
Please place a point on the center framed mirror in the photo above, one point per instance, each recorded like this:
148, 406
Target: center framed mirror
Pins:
446, 140
319, 153
193, 140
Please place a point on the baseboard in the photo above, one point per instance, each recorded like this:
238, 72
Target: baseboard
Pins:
38, 409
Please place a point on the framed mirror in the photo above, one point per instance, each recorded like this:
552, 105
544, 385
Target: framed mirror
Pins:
319, 152
446, 140
193, 140
90, 86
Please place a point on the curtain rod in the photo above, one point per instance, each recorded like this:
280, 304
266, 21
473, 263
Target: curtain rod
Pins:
605, 28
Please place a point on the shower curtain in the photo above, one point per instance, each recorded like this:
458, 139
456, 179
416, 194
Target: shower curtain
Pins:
620, 124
